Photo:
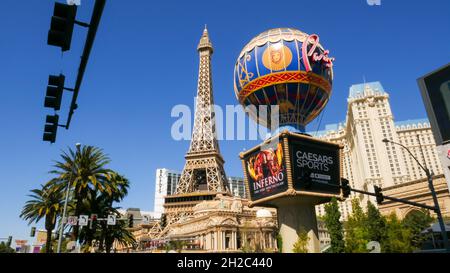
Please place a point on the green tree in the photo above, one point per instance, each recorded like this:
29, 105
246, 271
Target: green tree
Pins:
376, 223
416, 221
85, 170
356, 237
398, 238
94, 189
279, 243
334, 226
5, 249
102, 205
301, 246
45, 203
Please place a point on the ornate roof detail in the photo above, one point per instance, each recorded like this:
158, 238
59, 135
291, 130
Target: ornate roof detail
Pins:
205, 42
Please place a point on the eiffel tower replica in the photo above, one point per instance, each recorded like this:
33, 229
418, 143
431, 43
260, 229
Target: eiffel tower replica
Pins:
203, 176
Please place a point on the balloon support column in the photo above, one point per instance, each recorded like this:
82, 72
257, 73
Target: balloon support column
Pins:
294, 217
290, 170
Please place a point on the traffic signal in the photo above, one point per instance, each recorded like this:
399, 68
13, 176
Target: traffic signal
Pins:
307, 180
8, 243
345, 185
379, 194
61, 27
33, 232
93, 220
54, 93
130, 220
51, 127
163, 222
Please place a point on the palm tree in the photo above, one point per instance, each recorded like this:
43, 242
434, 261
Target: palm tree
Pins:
46, 203
102, 205
86, 172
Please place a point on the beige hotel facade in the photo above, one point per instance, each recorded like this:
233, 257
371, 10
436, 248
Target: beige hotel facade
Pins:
368, 161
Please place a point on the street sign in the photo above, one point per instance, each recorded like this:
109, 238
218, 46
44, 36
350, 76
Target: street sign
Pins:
374, 247
111, 220
83, 221
73, 220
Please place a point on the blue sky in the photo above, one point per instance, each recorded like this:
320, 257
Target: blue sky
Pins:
144, 62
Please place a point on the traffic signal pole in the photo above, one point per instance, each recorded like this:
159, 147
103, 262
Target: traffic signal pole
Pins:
93, 26
429, 175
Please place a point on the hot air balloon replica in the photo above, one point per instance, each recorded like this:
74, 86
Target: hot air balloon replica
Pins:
287, 68
291, 171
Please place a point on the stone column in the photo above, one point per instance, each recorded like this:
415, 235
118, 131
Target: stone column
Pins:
216, 240
295, 216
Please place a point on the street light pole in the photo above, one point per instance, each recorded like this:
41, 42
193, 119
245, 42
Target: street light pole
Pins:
437, 209
62, 224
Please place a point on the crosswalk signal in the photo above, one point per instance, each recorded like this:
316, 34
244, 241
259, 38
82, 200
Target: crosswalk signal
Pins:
33, 232
54, 93
51, 127
130, 220
61, 27
379, 194
346, 190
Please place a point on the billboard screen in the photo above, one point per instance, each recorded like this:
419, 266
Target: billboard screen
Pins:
436, 93
265, 171
318, 160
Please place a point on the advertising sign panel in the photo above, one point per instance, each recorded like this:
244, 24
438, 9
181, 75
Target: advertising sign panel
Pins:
435, 89
265, 171
444, 156
318, 161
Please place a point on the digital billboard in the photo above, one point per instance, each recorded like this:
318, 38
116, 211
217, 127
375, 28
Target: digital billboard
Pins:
318, 161
435, 89
265, 171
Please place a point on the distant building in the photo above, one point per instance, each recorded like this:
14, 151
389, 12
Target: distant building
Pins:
368, 161
167, 181
324, 236
139, 217
165, 184
237, 186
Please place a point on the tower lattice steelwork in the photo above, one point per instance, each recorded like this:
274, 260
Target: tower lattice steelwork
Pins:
203, 176
203, 170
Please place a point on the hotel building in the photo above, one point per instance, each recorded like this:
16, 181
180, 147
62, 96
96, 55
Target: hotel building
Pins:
368, 161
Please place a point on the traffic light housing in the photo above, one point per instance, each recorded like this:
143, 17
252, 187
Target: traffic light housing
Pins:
93, 220
130, 220
61, 26
9, 242
379, 194
163, 220
51, 127
54, 93
345, 185
307, 180
32, 232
